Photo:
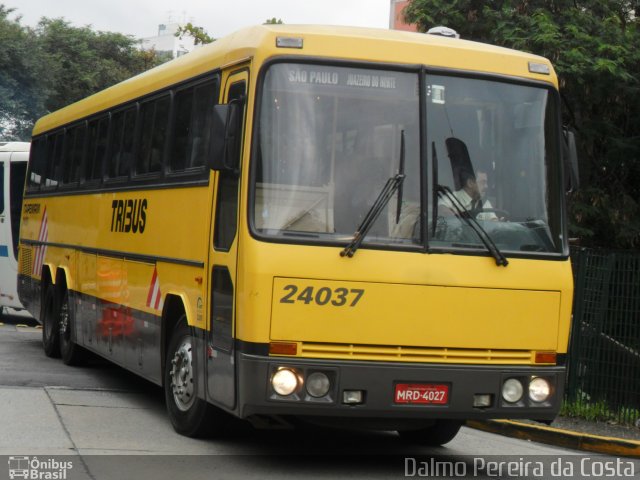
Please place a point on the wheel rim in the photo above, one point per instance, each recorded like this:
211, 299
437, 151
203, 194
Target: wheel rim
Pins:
181, 376
49, 327
63, 321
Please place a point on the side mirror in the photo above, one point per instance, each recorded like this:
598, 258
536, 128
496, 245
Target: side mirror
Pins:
570, 159
224, 147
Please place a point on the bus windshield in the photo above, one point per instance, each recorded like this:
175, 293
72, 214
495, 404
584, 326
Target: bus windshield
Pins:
330, 137
496, 150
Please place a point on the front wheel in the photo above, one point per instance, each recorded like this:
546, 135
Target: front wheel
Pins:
441, 432
50, 323
190, 415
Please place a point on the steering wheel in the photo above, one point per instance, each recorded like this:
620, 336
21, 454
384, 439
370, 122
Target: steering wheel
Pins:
502, 215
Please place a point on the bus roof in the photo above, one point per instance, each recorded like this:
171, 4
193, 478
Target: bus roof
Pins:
15, 146
347, 43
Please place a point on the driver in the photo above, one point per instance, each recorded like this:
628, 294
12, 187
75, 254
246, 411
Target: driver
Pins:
472, 195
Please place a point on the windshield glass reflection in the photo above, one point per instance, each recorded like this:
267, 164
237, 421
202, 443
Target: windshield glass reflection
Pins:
330, 139
496, 150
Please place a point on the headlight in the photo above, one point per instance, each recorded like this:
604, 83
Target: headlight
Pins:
512, 390
539, 390
284, 382
318, 384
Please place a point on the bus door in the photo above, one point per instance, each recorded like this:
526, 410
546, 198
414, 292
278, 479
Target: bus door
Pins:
5, 230
13, 168
221, 378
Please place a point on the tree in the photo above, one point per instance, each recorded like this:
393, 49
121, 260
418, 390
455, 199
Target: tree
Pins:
55, 64
81, 61
199, 34
594, 47
21, 98
273, 21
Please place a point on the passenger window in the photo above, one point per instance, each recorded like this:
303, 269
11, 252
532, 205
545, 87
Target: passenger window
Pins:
183, 106
97, 148
193, 118
153, 133
37, 163
73, 150
122, 131
54, 159
205, 97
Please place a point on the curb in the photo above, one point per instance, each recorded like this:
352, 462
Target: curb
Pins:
558, 437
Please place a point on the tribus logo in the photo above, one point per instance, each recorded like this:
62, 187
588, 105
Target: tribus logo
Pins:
129, 215
35, 469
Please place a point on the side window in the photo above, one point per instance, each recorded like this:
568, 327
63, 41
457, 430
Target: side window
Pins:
122, 132
73, 152
154, 116
97, 148
181, 149
37, 163
205, 97
193, 107
53, 172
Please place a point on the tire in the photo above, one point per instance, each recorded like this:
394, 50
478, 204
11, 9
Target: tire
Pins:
71, 352
443, 431
50, 323
190, 416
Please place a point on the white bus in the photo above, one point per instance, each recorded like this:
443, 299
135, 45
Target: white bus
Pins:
13, 168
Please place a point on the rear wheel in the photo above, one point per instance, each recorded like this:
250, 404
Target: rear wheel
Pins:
50, 323
72, 353
441, 432
190, 415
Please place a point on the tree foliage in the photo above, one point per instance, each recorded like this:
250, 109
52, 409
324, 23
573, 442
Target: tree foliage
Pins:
594, 45
199, 34
19, 77
273, 21
55, 64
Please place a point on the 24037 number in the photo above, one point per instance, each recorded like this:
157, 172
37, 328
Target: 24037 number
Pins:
338, 297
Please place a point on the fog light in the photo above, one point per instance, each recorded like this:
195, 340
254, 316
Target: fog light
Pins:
512, 390
318, 384
284, 382
481, 400
539, 390
352, 397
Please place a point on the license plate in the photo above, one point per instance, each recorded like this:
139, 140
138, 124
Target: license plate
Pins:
422, 393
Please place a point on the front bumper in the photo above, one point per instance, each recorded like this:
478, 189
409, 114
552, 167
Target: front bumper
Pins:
378, 379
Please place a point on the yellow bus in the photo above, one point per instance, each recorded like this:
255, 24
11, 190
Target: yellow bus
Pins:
344, 226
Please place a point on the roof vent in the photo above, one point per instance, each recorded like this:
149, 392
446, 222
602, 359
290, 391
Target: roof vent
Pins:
443, 32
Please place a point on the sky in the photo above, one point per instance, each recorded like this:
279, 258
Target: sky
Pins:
141, 18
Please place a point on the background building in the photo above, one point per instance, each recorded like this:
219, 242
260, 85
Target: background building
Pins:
167, 42
396, 17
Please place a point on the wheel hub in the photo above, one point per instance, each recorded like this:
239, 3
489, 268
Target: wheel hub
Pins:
182, 376
63, 321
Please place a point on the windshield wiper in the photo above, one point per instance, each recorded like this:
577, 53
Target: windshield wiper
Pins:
400, 172
393, 184
465, 215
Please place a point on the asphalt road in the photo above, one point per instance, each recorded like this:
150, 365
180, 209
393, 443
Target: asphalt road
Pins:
110, 424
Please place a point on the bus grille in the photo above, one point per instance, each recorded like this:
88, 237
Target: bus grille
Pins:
416, 354
26, 260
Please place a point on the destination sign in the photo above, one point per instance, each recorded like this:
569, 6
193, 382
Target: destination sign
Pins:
332, 79
343, 77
